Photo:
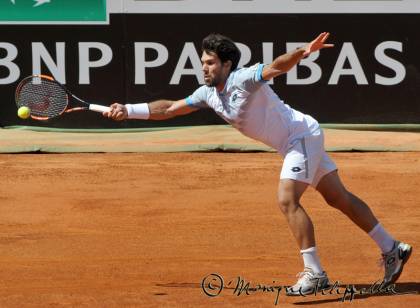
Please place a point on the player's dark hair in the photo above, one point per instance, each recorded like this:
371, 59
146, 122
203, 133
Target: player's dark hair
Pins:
223, 47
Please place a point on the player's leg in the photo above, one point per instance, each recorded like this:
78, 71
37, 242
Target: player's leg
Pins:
289, 194
299, 167
395, 254
335, 194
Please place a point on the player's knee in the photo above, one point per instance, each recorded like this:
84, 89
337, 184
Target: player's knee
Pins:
287, 205
339, 199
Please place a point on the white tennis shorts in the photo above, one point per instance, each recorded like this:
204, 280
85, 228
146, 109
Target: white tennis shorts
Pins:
306, 160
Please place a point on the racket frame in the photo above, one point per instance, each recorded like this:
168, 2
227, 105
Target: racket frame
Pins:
92, 107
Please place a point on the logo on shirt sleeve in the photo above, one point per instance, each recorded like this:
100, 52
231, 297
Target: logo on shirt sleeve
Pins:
234, 97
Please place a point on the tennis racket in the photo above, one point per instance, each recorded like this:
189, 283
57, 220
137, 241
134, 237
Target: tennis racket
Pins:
47, 98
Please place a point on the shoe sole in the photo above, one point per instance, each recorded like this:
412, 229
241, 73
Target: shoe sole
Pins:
395, 278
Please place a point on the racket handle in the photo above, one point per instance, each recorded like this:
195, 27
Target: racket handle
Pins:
99, 108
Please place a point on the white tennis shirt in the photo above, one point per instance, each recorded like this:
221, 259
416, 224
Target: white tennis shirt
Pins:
250, 105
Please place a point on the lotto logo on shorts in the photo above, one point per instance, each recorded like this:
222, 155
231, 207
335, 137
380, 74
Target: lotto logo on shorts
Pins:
296, 169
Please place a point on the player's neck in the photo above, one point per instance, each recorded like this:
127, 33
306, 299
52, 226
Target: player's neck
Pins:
221, 85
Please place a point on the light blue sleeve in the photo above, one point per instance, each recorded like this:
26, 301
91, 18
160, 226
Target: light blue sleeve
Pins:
199, 98
250, 78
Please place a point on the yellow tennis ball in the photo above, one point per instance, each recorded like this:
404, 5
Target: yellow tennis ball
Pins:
24, 112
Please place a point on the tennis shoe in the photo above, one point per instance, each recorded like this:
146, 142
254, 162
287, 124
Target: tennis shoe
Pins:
308, 282
394, 261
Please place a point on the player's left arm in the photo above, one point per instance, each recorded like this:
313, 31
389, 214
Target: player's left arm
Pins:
284, 63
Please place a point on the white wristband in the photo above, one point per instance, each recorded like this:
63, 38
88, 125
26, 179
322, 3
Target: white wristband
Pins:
138, 111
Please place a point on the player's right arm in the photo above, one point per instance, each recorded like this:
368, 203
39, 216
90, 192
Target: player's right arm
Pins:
164, 109
160, 109
157, 110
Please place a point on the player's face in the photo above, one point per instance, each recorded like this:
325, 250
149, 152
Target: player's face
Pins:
215, 72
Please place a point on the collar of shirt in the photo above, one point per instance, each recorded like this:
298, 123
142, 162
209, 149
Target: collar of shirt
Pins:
225, 88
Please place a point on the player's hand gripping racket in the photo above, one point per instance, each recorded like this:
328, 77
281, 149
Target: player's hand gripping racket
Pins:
47, 98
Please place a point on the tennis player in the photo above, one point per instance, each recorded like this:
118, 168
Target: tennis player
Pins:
243, 98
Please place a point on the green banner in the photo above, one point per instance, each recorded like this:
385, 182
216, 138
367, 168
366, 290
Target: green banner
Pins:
27, 11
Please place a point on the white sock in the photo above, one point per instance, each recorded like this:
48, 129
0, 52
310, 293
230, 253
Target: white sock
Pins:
382, 238
311, 260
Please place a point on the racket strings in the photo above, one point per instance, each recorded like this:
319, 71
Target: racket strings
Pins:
44, 97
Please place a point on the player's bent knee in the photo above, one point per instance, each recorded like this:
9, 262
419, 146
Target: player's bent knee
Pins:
287, 205
339, 200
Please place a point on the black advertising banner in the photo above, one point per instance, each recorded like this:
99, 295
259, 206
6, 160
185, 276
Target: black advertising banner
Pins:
370, 76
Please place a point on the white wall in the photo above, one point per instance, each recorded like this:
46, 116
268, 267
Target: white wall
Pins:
264, 6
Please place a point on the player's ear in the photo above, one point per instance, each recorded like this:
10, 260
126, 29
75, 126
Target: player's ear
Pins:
227, 64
